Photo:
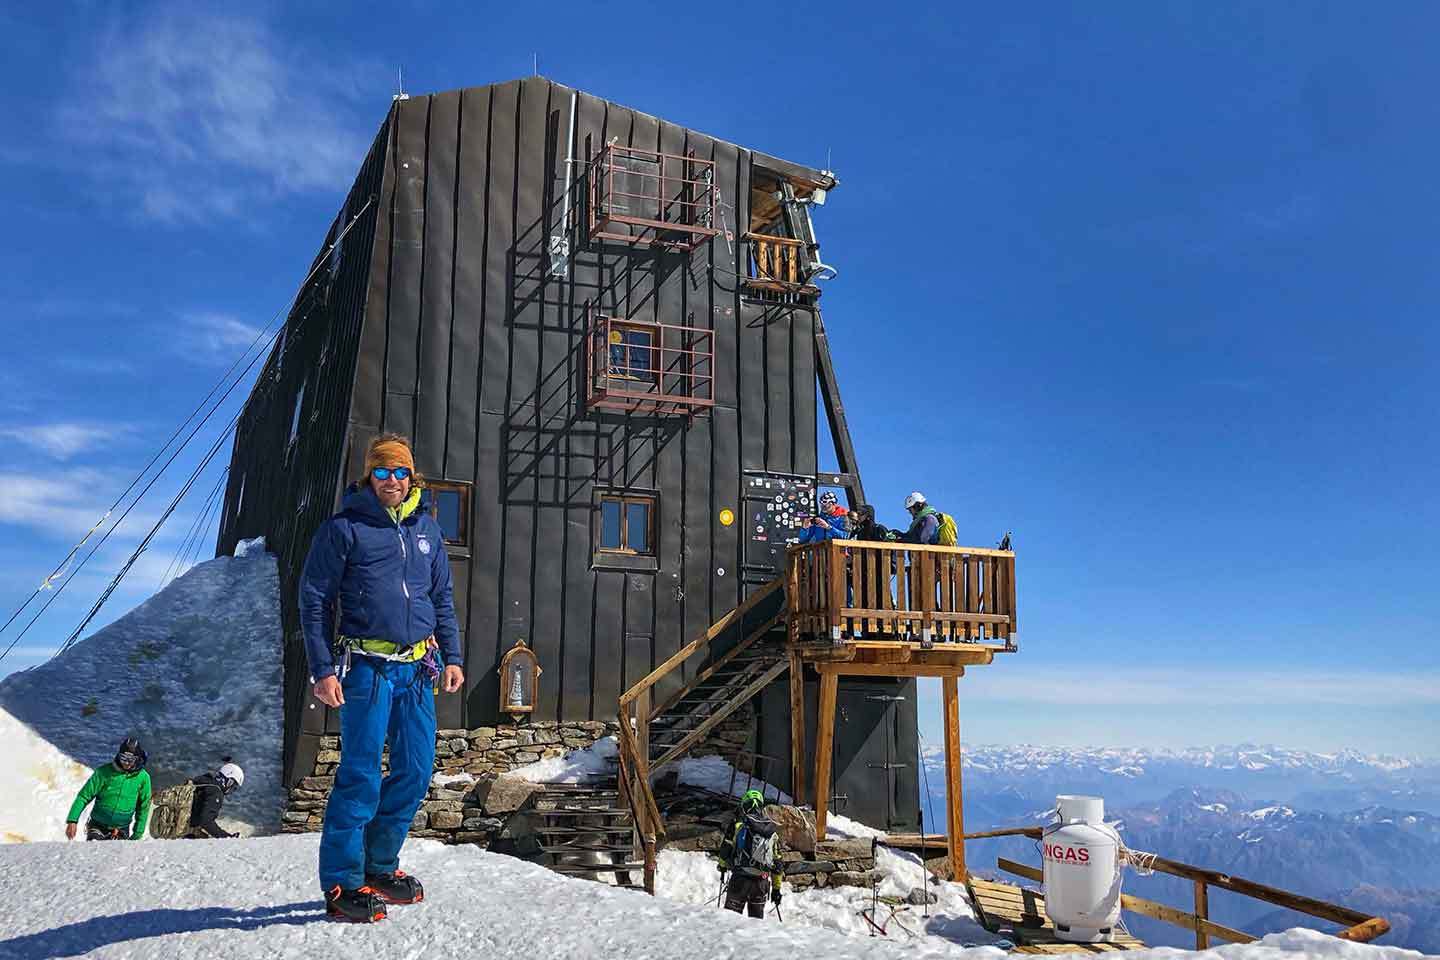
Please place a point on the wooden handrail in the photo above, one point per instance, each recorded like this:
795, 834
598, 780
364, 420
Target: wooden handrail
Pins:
685, 652
846, 589
634, 774
1358, 927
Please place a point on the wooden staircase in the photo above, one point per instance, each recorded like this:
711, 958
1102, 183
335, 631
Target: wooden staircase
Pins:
653, 736
585, 830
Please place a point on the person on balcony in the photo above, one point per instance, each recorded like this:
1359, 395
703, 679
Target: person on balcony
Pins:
383, 557
865, 527
832, 522
927, 525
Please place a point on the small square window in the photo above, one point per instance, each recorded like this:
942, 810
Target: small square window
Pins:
626, 525
632, 354
450, 505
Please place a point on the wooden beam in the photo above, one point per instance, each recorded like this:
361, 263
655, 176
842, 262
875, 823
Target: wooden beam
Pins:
797, 728
642, 732
954, 818
824, 747
835, 413
1202, 910
898, 670
715, 629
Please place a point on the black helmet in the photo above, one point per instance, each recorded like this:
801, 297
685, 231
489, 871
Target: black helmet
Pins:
130, 757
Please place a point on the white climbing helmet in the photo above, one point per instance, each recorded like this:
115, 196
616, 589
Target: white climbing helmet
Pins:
233, 773
916, 499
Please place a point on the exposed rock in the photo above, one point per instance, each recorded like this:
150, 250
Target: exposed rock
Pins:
328, 756
451, 734
796, 827
482, 733
801, 867
940, 866
421, 819
919, 895
446, 820
503, 794
525, 756
488, 824
850, 878
844, 850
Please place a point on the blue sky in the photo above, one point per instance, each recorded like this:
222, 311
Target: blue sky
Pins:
1152, 285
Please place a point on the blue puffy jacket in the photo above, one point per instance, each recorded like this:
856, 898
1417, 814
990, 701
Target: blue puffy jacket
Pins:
392, 580
836, 528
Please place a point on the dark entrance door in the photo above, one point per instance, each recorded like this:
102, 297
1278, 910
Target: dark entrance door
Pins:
875, 750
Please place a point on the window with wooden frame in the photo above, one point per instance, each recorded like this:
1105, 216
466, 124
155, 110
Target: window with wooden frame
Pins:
632, 353
625, 525
450, 506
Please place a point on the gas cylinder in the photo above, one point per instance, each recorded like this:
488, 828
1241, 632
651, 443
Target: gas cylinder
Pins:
1082, 871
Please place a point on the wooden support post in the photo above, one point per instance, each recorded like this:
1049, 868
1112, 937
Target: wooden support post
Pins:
797, 728
824, 747
954, 818
1202, 911
642, 731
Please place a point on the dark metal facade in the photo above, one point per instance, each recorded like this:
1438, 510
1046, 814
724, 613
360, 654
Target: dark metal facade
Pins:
449, 325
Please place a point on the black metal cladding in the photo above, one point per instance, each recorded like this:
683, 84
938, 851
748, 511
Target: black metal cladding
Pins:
472, 348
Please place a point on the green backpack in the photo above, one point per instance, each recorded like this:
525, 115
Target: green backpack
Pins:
945, 535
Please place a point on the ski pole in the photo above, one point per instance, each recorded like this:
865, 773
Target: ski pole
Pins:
720, 897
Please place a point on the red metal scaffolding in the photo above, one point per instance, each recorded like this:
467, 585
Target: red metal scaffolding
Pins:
648, 197
655, 367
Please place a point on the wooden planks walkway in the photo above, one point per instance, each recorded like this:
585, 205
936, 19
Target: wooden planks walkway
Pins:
1019, 915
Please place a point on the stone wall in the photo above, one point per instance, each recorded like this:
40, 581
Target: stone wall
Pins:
480, 753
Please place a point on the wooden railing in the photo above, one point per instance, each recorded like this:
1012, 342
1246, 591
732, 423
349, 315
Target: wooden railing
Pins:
775, 259
636, 713
1357, 926
846, 589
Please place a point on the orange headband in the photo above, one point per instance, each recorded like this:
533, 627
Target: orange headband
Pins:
389, 453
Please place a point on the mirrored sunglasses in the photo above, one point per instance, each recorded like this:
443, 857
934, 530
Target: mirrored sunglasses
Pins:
385, 473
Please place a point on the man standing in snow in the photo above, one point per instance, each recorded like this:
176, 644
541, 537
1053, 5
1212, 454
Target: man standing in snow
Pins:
121, 791
383, 557
749, 850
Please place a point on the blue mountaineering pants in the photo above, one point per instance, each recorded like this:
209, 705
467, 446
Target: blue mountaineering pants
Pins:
367, 818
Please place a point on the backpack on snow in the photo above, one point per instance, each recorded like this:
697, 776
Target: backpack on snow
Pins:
754, 848
945, 535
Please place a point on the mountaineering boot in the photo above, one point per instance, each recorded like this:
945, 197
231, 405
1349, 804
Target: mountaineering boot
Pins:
354, 906
395, 887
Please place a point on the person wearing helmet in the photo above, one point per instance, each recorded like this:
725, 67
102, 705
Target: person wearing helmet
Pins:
211, 789
121, 792
831, 523
383, 559
750, 852
924, 521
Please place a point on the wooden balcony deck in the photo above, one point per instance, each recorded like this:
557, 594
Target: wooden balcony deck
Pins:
855, 593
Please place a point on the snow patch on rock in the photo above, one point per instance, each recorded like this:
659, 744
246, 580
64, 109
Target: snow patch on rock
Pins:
40, 783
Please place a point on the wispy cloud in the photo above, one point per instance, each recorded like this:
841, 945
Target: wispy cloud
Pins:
65, 503
64, 441
194, 116
214, 337
1189, 686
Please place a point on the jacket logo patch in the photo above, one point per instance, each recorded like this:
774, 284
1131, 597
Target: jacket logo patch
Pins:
424, 544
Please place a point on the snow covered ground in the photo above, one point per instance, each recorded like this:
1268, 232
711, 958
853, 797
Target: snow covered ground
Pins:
257, 898
195, 672
38, 784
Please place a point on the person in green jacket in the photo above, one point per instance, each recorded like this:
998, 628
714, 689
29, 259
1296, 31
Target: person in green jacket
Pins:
121, 791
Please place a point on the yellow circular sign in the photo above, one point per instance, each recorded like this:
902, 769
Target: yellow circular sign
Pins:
727, 517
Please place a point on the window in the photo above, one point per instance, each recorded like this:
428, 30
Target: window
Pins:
451, 509
295, 417
626, 525
632, 354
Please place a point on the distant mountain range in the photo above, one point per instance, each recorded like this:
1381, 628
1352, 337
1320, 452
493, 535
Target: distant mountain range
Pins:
1352, 828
